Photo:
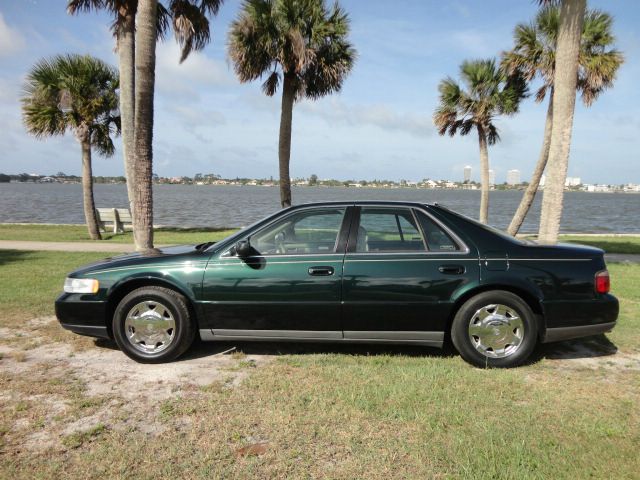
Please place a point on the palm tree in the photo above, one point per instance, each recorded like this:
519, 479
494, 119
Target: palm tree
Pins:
301, 44
191, 28
487, 93
77, 93
534, 55
563, 105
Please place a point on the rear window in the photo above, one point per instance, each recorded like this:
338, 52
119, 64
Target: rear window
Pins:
437, 239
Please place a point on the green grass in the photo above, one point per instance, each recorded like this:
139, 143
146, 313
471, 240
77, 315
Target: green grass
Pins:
610, 244
78, 233
349, 412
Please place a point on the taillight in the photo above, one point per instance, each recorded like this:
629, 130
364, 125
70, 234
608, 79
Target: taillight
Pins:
603, 284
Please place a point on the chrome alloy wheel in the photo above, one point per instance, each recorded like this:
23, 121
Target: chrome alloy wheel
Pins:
496, 331
150, 327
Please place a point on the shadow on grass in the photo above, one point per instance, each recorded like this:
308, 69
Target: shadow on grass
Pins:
201, 349
12, 256
588, 347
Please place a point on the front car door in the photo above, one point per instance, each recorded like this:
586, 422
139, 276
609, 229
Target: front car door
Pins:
289, 287
401, 270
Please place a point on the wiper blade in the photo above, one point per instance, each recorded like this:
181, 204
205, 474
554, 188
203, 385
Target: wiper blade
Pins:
204, 245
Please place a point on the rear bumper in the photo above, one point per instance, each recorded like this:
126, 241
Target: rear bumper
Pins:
83, 317
567, 333
574, 319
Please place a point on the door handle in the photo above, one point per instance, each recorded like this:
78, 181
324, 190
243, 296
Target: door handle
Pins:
451, 269
321, 271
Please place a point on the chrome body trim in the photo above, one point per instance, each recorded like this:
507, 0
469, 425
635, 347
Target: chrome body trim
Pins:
567, 333
391, 335
232, 332
428, 339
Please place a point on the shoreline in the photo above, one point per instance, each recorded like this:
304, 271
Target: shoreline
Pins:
220, 229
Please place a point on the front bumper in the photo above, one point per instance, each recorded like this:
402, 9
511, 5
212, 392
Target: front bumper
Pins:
82, 315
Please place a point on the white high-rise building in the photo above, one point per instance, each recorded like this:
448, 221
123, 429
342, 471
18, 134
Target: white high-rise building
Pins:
572, 181
513, 177
467, 173
492, 177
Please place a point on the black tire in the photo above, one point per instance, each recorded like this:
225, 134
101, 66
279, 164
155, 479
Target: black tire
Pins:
473, 350
175, 308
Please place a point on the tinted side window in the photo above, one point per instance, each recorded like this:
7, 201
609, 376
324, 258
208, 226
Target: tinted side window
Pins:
437, 239
307, 232
388, 230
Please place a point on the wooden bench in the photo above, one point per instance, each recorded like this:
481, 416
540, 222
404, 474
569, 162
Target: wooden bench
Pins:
116, 218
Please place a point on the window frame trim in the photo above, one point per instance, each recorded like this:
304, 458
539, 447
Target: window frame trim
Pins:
463, 249
340, 237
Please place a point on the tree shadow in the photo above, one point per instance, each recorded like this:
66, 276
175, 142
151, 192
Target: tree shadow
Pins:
12, 256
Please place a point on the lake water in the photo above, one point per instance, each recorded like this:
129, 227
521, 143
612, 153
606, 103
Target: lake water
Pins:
234, 206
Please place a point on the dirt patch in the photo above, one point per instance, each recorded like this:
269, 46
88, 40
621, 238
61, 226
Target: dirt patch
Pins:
104, 389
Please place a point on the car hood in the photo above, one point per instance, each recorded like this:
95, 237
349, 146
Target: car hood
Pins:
157, 255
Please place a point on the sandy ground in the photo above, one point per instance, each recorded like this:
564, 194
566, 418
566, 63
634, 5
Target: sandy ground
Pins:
126, 394
73, 391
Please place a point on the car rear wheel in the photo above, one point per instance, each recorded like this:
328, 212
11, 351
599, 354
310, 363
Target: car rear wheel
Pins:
153, 325
495, 329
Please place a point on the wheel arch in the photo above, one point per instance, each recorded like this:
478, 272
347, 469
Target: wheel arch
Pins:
121, 289
530, 298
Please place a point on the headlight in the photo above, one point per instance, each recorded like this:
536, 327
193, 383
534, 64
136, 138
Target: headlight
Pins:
81, 285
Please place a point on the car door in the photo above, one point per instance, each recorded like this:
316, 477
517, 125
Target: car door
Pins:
289, 287
401, 270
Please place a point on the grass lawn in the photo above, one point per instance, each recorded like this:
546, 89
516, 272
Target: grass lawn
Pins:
78, 233
610, 244
171, 236
327, 411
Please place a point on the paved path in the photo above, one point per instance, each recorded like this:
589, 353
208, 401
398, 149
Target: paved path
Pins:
127, 247
67, 246
622, 257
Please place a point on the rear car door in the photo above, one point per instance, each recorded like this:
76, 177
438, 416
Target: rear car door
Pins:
290, 287
401, 270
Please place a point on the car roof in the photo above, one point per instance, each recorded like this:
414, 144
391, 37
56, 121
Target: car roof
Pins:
395, 203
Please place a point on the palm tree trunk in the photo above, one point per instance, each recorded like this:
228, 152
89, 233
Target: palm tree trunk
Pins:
484, 176
126, 60
145, 60
87, 187
530, 193
564, 100
284, 144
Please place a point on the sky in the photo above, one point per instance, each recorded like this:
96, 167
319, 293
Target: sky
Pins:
378, 127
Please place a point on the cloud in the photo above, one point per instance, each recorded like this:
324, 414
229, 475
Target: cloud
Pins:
195, 73
11, 41
378, 115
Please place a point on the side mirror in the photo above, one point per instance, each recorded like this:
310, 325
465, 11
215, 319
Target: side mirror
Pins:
243, 249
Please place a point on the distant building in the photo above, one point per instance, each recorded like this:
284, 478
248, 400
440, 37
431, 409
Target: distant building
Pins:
467, 173
572, 182
513, 177
492, 177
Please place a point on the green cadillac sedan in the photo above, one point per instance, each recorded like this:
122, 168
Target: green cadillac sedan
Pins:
369, 272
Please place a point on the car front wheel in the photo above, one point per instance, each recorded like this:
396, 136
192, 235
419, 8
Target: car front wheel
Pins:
153, 325
495, 329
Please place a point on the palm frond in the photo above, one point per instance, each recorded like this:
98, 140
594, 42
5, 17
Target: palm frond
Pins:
304, 40
89, 83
